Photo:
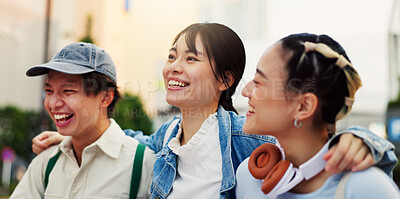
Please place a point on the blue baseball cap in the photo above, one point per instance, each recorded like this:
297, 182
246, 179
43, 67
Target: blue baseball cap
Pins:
78, 58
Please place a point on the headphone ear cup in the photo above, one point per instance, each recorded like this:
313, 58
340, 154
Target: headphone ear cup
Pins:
263, 159
274, 176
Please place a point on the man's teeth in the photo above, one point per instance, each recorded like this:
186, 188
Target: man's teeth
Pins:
252, 109
176, 83
61, 116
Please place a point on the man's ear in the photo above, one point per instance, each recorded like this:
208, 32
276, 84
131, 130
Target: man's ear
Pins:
229, 79
307, 106
108, 97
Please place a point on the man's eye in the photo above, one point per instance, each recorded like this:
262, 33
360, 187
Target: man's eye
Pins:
69, 91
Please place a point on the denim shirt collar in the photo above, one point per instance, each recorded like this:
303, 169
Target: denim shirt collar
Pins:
228, 174
230, 131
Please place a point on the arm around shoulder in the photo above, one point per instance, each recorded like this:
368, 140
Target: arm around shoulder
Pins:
153, 141
381, 149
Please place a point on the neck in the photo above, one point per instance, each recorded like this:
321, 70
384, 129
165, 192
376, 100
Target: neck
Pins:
301, 145
79, 143
192, 119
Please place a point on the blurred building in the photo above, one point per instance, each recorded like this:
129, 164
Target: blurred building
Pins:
21, 46
393, 109
137, 34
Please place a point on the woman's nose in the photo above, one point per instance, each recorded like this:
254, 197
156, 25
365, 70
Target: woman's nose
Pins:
176, 66
248, 89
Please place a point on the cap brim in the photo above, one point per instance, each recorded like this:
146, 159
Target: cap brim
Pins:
58, 66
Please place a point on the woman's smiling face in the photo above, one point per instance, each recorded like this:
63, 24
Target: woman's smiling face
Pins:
270, 109
188, 77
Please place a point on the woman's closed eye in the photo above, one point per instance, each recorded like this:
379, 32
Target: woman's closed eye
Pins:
192, 59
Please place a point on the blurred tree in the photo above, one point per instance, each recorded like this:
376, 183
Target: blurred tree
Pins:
17, 128
129, 114
88, 35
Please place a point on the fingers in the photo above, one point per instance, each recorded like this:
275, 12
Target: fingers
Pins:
55, 138
37, 149
364, 164
359, 157
328, 154
338, 153
44, 140
349, 154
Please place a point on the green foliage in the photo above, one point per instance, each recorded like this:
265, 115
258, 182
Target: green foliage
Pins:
17, 128
129, 114
88, 37
395, 102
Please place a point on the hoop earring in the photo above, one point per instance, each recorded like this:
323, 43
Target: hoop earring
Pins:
297, 123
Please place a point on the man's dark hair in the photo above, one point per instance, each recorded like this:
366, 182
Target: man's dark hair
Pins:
94, 83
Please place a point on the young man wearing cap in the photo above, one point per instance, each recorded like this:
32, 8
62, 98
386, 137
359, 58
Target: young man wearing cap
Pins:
96, 156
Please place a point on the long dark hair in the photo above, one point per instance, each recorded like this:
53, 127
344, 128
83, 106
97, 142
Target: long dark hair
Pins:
223, 47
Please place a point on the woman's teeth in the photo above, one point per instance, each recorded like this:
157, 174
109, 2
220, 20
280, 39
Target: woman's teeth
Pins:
252, 109
176, 83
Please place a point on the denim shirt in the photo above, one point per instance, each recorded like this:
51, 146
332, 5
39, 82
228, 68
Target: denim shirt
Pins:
235, 146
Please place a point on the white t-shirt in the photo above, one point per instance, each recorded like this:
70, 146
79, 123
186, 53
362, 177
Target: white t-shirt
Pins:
199, 163
370, 183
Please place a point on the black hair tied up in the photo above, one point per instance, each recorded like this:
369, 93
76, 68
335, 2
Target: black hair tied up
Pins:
323, 69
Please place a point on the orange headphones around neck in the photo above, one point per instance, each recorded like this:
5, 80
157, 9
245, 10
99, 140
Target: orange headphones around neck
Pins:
267, 163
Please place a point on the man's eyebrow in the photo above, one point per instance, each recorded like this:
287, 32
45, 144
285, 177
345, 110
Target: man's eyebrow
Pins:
70, 83
261, 73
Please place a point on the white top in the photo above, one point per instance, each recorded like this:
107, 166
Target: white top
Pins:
199, 163
370, 183
247, 186
105, 171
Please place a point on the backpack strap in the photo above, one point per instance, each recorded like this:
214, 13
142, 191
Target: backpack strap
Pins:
340, 190
137, 171
49, 168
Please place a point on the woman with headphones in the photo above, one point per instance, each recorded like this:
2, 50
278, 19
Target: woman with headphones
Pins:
304, 83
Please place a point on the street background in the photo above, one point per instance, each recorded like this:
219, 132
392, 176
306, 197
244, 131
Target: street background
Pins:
138, 34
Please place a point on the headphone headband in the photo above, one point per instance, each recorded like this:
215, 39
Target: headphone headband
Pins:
283, 176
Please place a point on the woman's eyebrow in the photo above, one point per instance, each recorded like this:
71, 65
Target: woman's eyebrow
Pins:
197, 52
261, 73
173, 49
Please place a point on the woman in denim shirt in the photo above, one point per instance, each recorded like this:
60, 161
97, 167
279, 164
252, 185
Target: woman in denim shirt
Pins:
199, 154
